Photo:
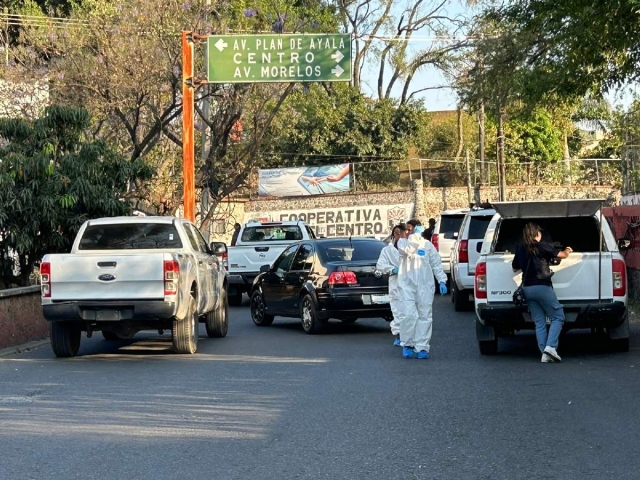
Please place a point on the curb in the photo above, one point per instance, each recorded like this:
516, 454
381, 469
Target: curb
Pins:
23, 348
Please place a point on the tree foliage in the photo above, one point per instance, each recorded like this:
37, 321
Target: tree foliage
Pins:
52, 179
345, 126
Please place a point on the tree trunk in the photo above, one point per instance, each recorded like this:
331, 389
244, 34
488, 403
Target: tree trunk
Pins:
567, 159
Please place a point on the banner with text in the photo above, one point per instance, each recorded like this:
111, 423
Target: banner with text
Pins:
368, 221
300, 181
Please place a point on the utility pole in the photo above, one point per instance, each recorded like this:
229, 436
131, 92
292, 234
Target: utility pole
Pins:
188, 152
469, 186
502, 189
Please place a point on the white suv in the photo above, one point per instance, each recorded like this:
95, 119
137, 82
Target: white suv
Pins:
445, 234
465, 254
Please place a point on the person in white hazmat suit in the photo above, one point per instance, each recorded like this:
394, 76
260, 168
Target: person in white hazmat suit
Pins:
419, 263
388, 263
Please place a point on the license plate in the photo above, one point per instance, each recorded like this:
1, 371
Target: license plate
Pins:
107, 315
379, 299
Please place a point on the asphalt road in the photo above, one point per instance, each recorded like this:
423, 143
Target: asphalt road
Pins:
274, 403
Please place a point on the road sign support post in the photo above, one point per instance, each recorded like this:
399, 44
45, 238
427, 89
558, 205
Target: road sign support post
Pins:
188, 135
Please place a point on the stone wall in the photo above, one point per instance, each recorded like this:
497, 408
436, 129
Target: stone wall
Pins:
430, 200
21, 317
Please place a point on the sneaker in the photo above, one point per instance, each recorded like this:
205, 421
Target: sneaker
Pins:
396, 342
407, 352
547, 359
552, 353
423, 355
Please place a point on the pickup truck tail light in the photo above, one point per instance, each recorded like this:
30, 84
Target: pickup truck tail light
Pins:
171, 277
463, 251
45, 279
342, 278
435, 241
481, 280
619, 278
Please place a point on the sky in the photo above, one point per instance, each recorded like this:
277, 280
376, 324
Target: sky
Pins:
446, 99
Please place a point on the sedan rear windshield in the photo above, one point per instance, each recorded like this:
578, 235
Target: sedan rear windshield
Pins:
345, 251
579, 233
130, 236
271, 233
478, 227
450, 224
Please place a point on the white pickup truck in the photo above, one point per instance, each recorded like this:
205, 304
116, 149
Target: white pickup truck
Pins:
260, 244
591, 283
127, 274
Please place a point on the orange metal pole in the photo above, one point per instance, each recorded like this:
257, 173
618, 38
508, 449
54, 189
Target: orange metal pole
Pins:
188, 141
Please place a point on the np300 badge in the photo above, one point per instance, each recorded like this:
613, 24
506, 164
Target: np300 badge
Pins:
107, 277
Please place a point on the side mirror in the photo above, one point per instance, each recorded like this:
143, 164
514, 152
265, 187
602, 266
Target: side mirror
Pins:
218, 248
624, 244
265, 268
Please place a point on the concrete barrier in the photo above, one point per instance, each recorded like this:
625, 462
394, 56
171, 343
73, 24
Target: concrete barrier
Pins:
21, 317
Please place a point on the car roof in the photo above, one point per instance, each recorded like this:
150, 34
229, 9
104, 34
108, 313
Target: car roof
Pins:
482, 212
273, 224
458, 211
133, 219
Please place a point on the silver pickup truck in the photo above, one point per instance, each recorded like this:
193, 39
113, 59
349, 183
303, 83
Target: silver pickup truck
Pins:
128, 274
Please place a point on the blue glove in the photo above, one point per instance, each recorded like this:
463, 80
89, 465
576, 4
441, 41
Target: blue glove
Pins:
394, 271
443, 288
418, 229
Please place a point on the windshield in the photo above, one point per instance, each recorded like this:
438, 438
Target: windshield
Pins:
130, 236
271, 233
345, 251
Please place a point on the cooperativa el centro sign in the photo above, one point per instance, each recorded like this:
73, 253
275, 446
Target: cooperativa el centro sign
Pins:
279, 58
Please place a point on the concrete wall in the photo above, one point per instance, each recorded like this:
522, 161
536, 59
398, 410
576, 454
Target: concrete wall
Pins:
21, 317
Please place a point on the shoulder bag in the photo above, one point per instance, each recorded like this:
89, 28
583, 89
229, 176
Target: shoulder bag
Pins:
518, 295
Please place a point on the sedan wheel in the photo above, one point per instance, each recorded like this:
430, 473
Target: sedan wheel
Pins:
310, 321
259, 313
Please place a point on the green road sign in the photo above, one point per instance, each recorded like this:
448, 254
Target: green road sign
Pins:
279, 58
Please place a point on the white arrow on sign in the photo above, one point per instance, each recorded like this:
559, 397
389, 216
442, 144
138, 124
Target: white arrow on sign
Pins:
221, 44
338, 56
337, 71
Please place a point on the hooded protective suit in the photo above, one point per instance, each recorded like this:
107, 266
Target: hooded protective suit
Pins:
388, 261
419, 263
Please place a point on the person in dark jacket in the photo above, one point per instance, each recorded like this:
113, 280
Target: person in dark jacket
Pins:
533, 259
236, 231
427, 234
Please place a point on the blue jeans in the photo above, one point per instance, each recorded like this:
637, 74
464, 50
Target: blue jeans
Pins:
543, 303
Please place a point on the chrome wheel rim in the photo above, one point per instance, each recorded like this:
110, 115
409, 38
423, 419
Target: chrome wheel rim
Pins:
194, 326
307, 317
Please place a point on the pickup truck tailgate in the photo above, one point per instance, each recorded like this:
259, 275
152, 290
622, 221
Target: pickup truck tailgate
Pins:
250, 259
576, 278
107, 277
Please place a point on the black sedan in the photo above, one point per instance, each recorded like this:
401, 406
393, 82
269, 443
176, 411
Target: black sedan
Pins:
320, 279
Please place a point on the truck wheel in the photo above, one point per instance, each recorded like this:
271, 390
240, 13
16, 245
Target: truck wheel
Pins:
110, 336
259, 313
311, 324
487, 339
65, 339
235, 300
460, 299
217, 320
488, 347
185, 332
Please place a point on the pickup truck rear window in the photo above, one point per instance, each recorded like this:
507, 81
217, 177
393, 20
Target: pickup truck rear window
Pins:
579, 233
271, 234
130, 236
345, 251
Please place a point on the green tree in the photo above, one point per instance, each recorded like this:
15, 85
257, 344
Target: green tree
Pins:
52, 179
345, 126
